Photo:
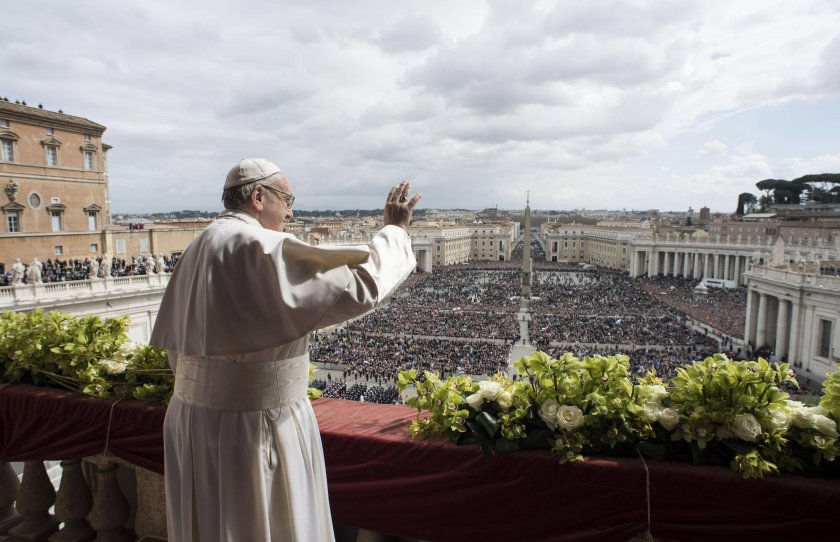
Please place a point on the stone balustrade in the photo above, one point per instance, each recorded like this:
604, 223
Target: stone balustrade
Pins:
795, 277
99, 498
25, 296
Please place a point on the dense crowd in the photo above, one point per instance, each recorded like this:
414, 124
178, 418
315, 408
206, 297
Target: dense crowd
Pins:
722, 308
440, 323
379, 358
636, 330
593, 293
358, 392
466, 287
56, 270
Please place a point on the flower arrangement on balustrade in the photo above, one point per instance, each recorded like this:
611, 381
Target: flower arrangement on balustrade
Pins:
715, 411
87, 354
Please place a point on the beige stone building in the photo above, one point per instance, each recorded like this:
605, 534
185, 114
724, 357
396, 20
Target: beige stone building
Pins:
578, 243
53, 168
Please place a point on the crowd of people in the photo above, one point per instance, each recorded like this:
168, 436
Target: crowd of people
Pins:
473, 287
62, 270
379, 358
593, 293
337, 389
636, 330
724, 309
440, 323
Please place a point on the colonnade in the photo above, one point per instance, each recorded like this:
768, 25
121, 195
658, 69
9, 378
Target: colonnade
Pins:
775, 321
691, 263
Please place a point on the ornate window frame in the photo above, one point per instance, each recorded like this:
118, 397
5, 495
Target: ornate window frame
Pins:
88, 148
46, 144
8, 135
93, 209
13, 207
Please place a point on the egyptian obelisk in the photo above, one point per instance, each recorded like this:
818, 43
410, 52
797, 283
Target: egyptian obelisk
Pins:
526, 251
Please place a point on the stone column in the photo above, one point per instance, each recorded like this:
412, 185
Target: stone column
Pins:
737, 270
717, 270
651, 271
793, 346
782, 329
725, 267
749, 336
761, 321
695, 271
707, 266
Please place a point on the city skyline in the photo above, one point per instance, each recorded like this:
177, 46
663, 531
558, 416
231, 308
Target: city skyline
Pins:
603, 105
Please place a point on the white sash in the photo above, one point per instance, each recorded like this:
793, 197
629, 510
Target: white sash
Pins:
227, 385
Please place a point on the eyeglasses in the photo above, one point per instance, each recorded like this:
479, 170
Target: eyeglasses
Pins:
288, 199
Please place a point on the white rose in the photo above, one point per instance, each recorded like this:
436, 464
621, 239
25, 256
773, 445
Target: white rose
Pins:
779, 420
505, 399
746, 427
669, 418
825, 425
651, 412
489, 389
819, 410
803, 418
112, 367
658, 392
475, 401
548, 413
569, 417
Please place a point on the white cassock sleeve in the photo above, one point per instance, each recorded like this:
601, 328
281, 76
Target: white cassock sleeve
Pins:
240, 288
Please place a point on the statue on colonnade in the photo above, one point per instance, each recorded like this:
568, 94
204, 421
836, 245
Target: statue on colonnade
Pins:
107, 263
18, 271
93, 268
35, 271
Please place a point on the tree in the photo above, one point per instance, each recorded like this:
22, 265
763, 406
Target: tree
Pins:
822, 188
780, 191
746, 202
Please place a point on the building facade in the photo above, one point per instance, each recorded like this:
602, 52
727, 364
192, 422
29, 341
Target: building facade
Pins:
577, 243
795, 311
53, 168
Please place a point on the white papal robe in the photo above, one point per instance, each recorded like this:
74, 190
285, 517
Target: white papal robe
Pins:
242, 449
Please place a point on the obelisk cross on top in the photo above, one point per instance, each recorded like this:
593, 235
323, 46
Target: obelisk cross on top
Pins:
526, 250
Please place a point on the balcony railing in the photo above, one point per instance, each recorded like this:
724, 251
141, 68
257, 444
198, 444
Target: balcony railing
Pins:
381, 480
30, 295
790, 276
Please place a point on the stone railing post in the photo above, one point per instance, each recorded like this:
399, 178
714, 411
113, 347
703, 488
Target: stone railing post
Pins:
73, 505
34, 498
8, 493
110, 511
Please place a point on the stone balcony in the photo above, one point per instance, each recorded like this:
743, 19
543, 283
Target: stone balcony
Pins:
55, 294
382, 481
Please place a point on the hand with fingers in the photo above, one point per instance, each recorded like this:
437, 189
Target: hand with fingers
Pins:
398, 207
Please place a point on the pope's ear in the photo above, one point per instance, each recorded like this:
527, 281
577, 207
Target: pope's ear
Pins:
257, 196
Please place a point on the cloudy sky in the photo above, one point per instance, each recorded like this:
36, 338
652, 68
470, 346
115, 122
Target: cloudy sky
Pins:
588, 104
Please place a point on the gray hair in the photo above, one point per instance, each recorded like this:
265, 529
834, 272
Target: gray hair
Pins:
236, 196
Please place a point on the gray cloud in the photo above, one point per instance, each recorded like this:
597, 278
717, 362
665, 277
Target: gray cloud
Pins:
413, 33
494, 97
